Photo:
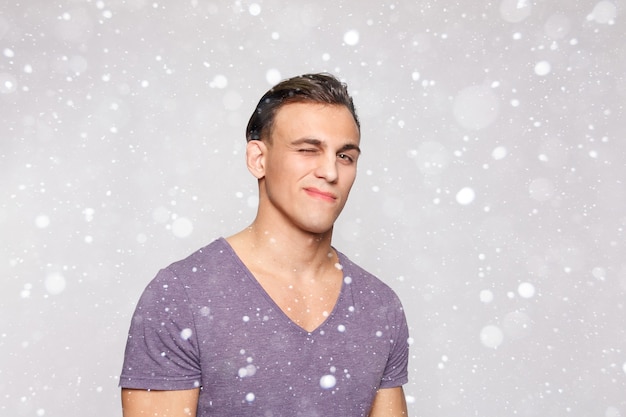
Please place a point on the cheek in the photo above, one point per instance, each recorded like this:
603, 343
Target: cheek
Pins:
349, 176
277, 181
275, 171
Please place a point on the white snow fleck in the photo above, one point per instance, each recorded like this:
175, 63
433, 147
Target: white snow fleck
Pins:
42, 221
219, 81
604, 12
273, 76
499, 152
186, 333
247, 371
542, 68
8, 83
465, 196
351, 37
328, 381
55, 283
89, 213
254, 9
491, 336
526, 290
182, 227
25, 293
250, 397
486, 296
341, 328
599, 273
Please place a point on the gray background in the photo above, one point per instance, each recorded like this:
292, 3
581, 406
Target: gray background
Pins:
490, 195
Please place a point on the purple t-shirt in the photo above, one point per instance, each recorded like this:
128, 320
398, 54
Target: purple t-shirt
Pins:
206, 322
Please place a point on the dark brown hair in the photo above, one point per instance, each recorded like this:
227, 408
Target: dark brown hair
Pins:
321, 88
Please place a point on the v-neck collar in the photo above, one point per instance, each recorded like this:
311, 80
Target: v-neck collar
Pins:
275, 305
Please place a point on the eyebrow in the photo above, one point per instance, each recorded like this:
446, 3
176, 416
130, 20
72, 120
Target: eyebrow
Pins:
317, 142
350, 146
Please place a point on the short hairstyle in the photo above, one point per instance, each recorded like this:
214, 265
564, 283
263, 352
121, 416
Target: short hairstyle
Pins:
320, 88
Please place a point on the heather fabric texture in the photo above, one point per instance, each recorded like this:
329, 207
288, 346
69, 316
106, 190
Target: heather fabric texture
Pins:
206, 322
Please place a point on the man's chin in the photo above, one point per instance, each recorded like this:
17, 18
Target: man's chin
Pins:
319, 229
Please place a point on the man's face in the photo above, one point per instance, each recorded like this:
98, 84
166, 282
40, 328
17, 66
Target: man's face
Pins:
310, 165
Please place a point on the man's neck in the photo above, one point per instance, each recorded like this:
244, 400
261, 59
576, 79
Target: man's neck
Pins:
284, 252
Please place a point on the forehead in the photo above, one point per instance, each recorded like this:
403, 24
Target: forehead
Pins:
311, 118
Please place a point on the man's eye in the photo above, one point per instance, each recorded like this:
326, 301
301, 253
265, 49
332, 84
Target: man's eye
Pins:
307, 150
345, 157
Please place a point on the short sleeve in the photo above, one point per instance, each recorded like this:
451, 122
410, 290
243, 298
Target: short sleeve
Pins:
396, 371
162, 349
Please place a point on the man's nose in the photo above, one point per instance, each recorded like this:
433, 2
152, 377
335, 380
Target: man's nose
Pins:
327, 168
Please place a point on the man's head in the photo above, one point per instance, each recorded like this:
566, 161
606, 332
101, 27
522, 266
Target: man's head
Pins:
303, 147
314, 88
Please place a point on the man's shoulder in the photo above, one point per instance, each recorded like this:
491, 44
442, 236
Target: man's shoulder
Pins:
215, 252
361, 277
205, 265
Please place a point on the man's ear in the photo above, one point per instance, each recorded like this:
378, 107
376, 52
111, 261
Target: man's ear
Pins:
256, 151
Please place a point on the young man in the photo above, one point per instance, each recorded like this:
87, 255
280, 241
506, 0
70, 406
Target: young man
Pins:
273, 321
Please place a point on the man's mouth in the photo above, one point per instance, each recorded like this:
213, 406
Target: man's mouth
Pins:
323, 195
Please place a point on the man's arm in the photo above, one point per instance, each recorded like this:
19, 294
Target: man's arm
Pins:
143, 403
389, 402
